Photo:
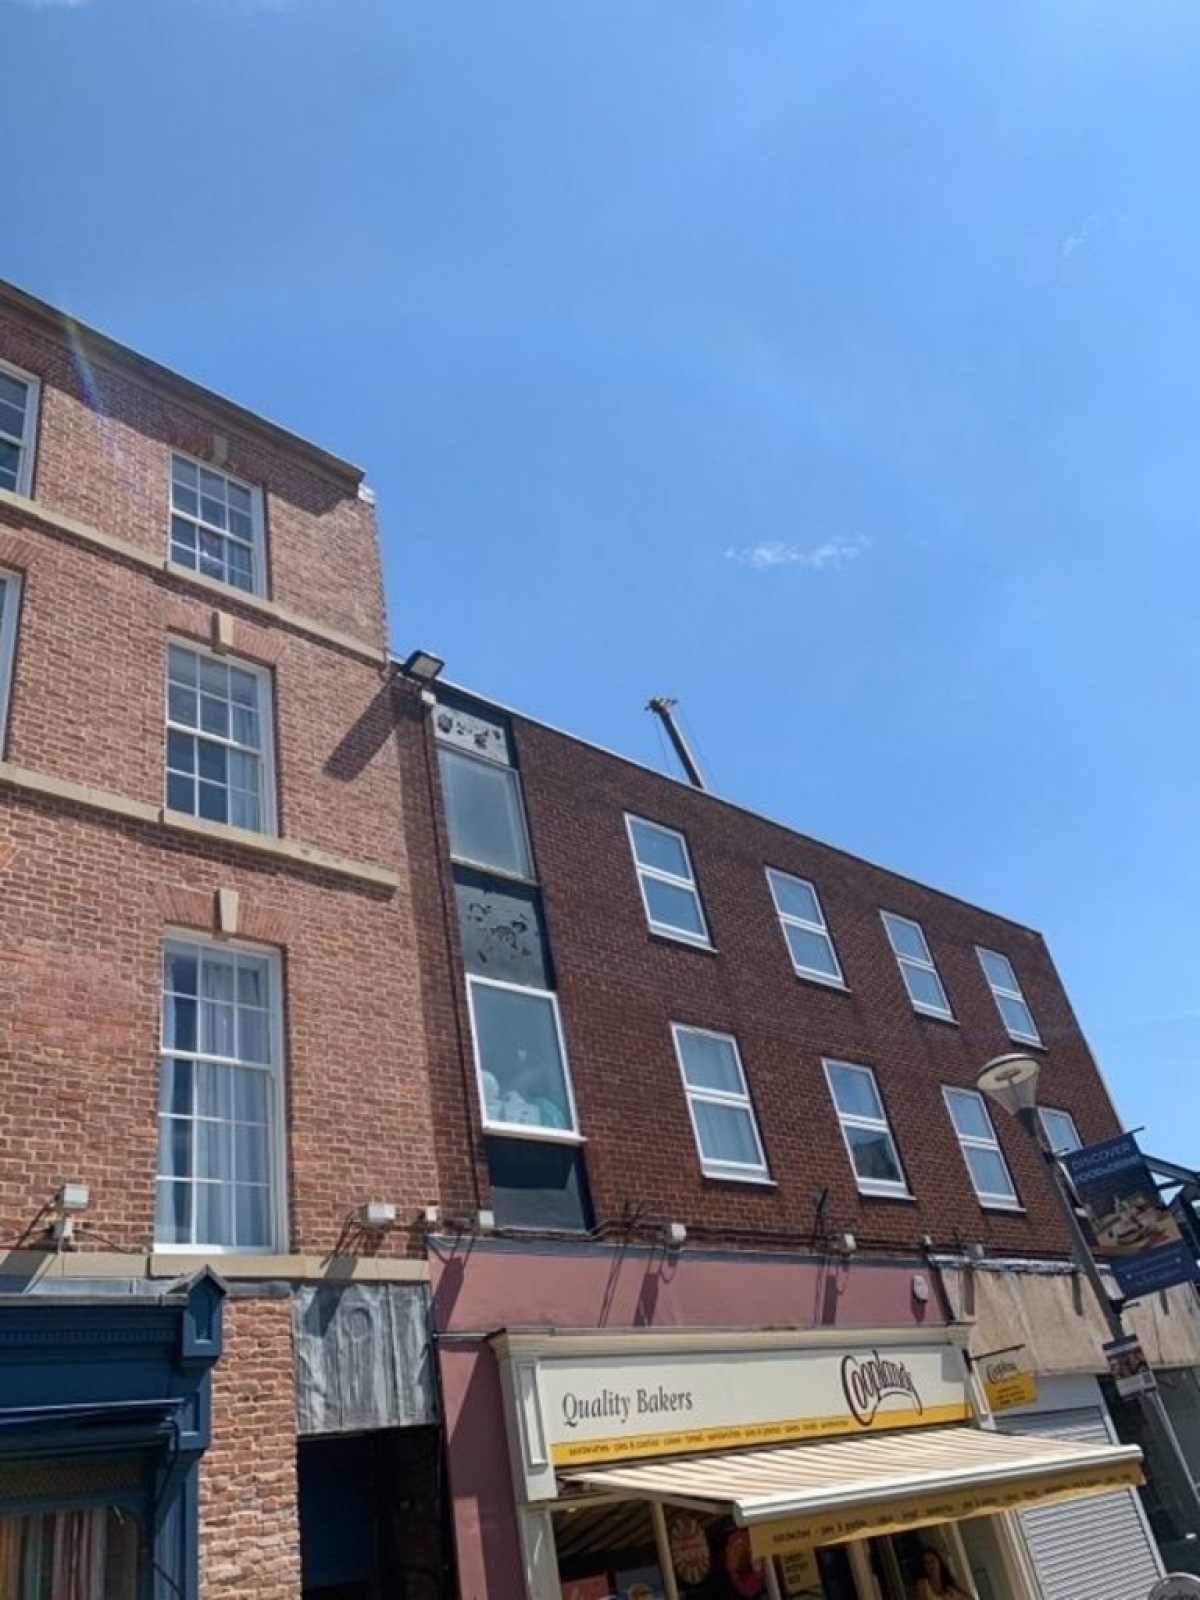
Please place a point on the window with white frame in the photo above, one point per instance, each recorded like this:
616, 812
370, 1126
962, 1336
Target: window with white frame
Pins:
10, 605
722, 1116
804, 929
484, 815
520, 1060
921, 979
1006, 991
216, 525
220, 1117
981, 1149
1060, 1130
18, 424
219, 760
666, 880
865, 1129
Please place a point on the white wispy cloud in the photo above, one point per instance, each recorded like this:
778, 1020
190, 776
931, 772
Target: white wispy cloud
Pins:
1081, 235
775, 553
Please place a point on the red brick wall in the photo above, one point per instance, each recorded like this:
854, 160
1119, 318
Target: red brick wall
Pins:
621, 987
87, 897
249, 1532
103, 455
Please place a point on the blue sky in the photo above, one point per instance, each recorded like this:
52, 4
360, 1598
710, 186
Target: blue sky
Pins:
833, 366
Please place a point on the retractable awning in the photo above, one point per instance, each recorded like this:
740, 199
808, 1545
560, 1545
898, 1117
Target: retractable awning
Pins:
814, 1494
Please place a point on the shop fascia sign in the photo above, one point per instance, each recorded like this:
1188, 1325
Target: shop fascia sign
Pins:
582, 1406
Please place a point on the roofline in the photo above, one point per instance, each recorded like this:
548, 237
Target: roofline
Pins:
730, 805
64, 324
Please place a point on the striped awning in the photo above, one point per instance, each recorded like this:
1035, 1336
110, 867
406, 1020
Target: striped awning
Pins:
814, 1494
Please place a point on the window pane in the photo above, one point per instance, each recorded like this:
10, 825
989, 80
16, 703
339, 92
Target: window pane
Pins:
907, 938
674, 907
989, 1173
173, 1213
179, 1022
252, 1212
655, 847
1060, 1130
795, 898
998, 969
483, 813
854, 1091
1017, 1017
874, 1155
10, 461
969, 1114
214, 1213
709, 1062
924, 987
726, 1133
13, 391
521, 1067
810, 950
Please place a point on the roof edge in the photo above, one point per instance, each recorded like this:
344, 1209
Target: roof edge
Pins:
65, 324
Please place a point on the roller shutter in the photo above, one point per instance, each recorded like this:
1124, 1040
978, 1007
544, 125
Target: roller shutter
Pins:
1097, 1548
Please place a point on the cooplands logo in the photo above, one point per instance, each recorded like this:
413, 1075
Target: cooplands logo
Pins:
869, 1380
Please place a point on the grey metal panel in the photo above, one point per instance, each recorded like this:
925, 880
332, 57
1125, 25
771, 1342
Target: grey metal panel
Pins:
1096, 1548
362, 1357
474, 729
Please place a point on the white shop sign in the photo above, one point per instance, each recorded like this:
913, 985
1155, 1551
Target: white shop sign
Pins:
575, 1410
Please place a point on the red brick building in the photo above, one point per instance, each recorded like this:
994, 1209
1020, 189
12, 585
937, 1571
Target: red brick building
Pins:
705, 1088
210, 1010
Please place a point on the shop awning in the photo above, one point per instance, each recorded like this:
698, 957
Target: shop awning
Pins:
853, 1488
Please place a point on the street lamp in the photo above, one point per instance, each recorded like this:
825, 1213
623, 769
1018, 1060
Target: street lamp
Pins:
1011, 1082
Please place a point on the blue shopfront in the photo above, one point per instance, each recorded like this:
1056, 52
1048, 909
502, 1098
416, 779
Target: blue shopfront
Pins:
105, 1408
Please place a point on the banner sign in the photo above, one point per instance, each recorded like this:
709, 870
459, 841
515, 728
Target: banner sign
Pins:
1134, 1231
1128, 1365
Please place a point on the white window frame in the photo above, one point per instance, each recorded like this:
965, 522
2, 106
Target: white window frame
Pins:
1056, 1111
666, 930
788, 919
8, 646
878, 1187
279, 1206
990, 1202
266, 719
27, 443
732, 1171
904, 961
522, 1130
454, 752
1000, 990
258, 527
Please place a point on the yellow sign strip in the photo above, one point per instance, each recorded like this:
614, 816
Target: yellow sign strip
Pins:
835, 1527
626, 1447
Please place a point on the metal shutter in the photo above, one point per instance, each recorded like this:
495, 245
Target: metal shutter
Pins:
1095, 1548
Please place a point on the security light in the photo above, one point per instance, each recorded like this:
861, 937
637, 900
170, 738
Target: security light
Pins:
422, 665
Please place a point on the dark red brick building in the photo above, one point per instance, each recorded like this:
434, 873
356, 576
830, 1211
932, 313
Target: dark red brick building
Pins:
698, 1076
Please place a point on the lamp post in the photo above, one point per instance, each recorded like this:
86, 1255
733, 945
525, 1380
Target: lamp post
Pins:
1011, 1082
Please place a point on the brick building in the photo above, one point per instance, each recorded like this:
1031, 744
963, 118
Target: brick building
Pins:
211, 1034
704, 1091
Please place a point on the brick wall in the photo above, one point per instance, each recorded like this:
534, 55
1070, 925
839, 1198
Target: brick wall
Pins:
106, 432
620, 988
88, 895
249, 1533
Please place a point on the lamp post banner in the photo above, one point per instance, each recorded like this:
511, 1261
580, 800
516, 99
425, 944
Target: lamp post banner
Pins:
1133, 1230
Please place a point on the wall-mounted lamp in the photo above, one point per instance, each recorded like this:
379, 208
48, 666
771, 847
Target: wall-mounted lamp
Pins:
376, 1215
976, 1250
72, 1197
674, 1234
847, 1243
429, 1216
485, 1221
423, 666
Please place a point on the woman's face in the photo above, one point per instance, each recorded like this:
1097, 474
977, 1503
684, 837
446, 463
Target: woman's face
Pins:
932, 1563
